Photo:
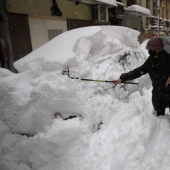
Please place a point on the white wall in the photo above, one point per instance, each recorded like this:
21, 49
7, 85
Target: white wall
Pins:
39, 30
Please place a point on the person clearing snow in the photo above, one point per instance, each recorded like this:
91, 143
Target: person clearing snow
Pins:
157, 66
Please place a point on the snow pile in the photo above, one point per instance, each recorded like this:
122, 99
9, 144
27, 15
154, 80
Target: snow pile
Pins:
143, 46
49, 121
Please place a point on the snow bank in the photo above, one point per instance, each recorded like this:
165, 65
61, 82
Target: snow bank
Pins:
49, 121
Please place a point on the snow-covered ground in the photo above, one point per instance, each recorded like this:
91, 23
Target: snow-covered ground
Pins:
51, 122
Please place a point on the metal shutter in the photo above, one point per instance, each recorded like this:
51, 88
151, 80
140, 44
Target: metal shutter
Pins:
20, 35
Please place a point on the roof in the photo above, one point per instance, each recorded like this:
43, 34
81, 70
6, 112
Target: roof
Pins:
138, 10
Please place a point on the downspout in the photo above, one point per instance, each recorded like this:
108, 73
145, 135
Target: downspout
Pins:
158, 6
166, 9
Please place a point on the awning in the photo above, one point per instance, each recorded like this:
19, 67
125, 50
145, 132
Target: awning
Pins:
165, 19
119, 3
109, 3
138, 10
152, 16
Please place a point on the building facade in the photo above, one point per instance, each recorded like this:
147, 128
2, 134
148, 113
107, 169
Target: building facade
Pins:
28, 24
161, 12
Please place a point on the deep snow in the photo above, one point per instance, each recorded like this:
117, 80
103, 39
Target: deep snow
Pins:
112, 128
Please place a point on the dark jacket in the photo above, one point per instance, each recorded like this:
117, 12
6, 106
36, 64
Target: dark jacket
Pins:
158, 70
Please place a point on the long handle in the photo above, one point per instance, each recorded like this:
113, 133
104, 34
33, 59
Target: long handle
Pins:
90, 80
106, 81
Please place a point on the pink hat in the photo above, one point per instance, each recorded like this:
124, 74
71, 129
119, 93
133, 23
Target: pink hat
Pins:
155, 44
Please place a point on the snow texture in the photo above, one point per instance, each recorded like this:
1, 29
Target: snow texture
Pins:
49, 121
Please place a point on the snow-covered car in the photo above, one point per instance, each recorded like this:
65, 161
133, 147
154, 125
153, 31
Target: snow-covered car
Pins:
51, 121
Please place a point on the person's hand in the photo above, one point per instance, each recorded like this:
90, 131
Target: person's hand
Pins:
118, 81
168, 81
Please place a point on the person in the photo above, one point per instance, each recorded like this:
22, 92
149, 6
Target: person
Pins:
158, 67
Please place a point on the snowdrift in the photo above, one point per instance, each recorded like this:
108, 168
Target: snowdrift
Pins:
49, 121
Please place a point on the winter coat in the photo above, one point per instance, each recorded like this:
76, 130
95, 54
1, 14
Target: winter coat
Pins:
159, 71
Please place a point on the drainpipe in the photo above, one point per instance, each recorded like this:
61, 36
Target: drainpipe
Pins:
166, 9
158, 6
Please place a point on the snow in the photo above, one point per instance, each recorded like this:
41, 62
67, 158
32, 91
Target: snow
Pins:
140, 9
61, 51
165, 19
49, 121
119, 3
110, 2
143, 46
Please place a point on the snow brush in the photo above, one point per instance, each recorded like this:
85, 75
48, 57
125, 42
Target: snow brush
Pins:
105, 81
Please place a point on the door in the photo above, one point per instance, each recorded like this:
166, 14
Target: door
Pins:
44, 30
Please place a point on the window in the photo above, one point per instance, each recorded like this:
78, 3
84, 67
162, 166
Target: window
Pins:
99, 13
95, 12
52, 33
163, 8
102, 13
131, 2
155, 8
148, 4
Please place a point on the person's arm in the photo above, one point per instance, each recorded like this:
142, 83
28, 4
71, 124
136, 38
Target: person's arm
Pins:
168, 80
136, 73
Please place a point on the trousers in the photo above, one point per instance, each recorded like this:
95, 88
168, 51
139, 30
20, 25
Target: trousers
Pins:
164, 103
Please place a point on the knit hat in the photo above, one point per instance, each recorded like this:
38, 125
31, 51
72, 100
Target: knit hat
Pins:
154, 44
